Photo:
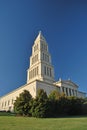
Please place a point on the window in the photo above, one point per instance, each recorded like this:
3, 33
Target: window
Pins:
43, 56
47, 58
42, 46
33, 73
45, 70
50, 72
37, 70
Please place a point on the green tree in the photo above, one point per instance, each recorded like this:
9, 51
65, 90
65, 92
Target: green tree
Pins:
40, 105
75, 105
58, 103
53, 98
54, 95
84, 108
62, 105
22, 103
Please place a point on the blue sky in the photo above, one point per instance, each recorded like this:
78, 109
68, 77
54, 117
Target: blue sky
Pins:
63, 24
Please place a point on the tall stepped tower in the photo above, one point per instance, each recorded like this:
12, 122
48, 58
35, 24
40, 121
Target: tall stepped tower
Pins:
40, 62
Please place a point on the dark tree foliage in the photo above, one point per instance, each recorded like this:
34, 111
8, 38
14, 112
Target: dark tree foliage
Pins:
53, 106
84, 108
54, 95
40, 105
22, 103
75, 106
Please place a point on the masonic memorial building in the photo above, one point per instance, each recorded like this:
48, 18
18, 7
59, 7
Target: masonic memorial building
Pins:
40, 75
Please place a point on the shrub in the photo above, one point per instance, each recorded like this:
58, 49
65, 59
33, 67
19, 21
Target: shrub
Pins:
22, 103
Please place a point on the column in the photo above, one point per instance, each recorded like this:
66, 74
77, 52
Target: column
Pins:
61, 90
68, 92
65, 90
71, 92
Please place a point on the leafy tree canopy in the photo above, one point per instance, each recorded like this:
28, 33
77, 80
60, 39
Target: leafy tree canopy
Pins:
21, 105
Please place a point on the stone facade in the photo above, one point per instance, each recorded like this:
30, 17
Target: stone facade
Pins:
40, 75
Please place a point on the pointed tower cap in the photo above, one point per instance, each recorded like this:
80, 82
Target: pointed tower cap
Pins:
40, 37
40, 32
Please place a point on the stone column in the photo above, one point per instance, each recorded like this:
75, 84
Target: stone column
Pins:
61, 90
71, 92
68, 92
74, 93
65, 90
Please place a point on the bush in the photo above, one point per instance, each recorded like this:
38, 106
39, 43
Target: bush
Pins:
75, 106
84, 108
53, 106
22, 104
40, 105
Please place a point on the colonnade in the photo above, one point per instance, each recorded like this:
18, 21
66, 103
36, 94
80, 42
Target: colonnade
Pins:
69, 91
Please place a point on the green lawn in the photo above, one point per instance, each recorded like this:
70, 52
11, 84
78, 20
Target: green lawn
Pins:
26, 123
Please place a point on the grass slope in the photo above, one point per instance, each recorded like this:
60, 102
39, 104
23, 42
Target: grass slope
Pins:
25, 123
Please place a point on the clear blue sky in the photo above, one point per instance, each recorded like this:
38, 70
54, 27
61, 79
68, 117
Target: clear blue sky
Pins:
63, 24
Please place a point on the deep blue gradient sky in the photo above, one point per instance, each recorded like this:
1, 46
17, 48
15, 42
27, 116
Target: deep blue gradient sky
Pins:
63, 24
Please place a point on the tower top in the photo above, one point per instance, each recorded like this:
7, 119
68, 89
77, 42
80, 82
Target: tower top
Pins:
40, 62
40, 37
40, 32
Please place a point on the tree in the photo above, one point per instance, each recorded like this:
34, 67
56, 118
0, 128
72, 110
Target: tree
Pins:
54, 95
75, 105
58, 103
84, 108
53, 98
40, 105
22, 103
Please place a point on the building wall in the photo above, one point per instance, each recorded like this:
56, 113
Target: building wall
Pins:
81, 94
67, 87
40, 75
7, 101
48, 88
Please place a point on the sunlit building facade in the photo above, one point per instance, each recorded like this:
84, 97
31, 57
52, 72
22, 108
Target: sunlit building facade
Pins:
40, 75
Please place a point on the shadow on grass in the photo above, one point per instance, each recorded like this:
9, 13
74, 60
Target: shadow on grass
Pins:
6, 114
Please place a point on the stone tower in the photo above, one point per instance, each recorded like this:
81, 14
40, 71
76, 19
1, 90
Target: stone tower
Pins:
40, 62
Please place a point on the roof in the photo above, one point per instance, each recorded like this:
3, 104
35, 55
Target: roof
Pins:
69, 82
40, 37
